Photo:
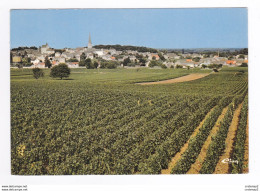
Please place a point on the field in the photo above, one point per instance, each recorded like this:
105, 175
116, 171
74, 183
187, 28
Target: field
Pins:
102, 121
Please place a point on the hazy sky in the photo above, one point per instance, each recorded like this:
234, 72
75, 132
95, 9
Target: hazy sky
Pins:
155, 28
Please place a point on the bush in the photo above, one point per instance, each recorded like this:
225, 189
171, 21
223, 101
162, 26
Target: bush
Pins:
164, 66
179, 66
244, 65
154, 63
37, 73
109, 65
60, 71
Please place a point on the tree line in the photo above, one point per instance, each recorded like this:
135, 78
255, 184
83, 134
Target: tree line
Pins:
127, 47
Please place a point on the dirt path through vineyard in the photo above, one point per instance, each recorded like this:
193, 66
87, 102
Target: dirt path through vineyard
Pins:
195, 168
189, 77
222, 168
183, 149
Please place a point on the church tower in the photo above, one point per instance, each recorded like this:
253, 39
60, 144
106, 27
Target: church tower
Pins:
89, 42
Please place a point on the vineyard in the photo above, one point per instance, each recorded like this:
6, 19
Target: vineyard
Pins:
104, 122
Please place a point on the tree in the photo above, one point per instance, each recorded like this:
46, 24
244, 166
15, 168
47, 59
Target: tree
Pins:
108, 65
203, 66
88, 63
244, 64
37, 73
154, 63
72, 60
82, 56
179, 66
60, 71
230, 57
126, 61
82, 63
196, 59
95, 64
161, 56
142, 61
164, 66
47, 62
241, 56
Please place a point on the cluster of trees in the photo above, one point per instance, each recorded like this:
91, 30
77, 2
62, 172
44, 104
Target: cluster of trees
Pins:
59, 71
26, 61
59, 50
244, 65
87, 62
24, 48
154, 63
47, 62
212, 66
108, 65
122, 48
140, 60
72, 60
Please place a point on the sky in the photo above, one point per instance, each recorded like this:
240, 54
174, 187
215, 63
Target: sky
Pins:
154, 28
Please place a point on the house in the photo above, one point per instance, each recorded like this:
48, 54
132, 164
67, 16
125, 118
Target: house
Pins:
73, 64
57, 54
39, 65
152, 56
231, 62
185, 64
171, 55
45, 49
99, 52
54, 63
36, 61
168, 64
17, 59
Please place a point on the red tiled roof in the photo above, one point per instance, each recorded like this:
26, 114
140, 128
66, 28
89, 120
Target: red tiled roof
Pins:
231, 62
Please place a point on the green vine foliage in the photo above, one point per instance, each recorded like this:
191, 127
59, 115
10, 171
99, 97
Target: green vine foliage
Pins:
105, 123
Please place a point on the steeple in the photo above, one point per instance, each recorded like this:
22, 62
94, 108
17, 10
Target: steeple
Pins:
89, 42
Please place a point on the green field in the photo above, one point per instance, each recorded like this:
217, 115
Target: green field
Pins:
101, 121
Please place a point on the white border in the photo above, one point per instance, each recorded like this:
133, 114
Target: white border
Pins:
156, 180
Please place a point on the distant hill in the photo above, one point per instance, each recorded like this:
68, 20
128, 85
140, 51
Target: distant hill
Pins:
24, 48
205, 50
126, 47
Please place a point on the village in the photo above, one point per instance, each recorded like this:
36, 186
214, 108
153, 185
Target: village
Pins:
46, 57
